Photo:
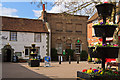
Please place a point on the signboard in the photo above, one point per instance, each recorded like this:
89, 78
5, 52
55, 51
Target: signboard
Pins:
47, 61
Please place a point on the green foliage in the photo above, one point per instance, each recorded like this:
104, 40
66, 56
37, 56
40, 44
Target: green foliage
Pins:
69, 52
54, 56
83, 55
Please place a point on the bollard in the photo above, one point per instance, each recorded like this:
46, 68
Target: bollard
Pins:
78, 60
69, 59
59, 59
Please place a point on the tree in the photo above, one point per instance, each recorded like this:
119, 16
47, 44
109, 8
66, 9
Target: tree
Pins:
76, 6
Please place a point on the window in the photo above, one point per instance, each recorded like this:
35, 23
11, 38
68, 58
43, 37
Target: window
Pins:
78, 48
27, 51
59, 27
69, 27
59, 48
37, 50
37, 37
69, 46
13, 36
78, 28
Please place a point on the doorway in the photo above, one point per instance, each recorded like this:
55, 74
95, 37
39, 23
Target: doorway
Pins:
8, 55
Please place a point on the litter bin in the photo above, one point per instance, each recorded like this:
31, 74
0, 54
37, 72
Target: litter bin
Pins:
15, 59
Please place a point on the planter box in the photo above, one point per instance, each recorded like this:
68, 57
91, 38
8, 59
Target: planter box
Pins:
34, 63
107, 52
104, 30
85, 76
105, 9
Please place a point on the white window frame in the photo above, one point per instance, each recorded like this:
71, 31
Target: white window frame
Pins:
28, 51
13, 36
37, 37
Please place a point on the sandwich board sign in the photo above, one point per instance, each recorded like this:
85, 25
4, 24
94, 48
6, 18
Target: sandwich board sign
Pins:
47, 61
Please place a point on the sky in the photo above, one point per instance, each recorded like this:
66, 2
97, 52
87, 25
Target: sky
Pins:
26, 9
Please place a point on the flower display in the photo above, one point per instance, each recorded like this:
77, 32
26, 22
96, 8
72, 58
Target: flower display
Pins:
104, 45
99, 71
33, 59
107, 23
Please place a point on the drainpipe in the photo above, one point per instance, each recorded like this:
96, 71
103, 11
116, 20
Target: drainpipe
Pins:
50, 43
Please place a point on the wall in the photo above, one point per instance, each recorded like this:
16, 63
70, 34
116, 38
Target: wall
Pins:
64, 27
25, 39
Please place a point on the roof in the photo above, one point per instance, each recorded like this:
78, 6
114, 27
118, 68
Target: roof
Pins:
22, 24
94, 17
67, 14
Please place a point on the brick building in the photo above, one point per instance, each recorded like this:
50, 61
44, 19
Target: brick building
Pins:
67, 31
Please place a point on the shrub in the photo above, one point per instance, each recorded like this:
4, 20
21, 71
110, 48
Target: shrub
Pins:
54, 56
83, 55
69, 52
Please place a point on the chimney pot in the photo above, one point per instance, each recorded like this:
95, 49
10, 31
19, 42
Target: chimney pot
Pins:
43, 7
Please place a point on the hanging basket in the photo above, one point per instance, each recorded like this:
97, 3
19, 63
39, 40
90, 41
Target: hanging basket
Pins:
104, 30
105, 9
106, 52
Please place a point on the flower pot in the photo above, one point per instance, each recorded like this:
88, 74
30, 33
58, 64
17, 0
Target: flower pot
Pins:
34, 63
105, 9
104, 30
85, 76
106, 52
33, 45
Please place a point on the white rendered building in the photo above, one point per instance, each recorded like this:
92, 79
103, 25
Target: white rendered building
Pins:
17, 35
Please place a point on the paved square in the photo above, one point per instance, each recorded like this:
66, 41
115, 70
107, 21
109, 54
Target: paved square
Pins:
64, 70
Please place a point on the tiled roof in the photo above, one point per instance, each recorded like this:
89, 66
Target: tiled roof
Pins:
22, 24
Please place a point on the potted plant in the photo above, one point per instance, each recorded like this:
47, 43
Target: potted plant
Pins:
107, 50
106, 30
104, 9
33, 61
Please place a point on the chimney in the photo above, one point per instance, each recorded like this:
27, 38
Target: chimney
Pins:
43, 7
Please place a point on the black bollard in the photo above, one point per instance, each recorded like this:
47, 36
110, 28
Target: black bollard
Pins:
60, 60
77, 59
69, 59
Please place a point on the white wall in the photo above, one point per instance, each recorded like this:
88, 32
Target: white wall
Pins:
25, 39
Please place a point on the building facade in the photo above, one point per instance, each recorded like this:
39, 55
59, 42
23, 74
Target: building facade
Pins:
67, 31
18, 34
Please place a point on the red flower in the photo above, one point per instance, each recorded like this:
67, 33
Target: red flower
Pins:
90, 68
84, 70
94, 69
116, 72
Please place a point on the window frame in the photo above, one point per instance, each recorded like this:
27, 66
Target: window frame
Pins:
35, 38
28, 51
14, 36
